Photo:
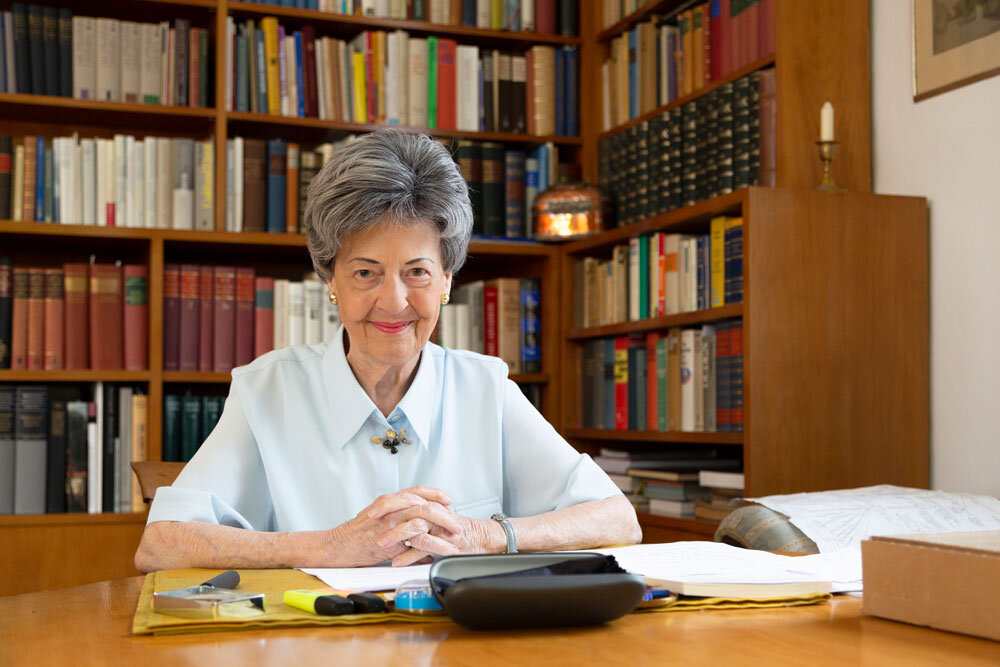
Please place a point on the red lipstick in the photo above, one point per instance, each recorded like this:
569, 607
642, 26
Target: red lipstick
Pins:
390, 327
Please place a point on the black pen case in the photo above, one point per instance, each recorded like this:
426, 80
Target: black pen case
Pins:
534, 590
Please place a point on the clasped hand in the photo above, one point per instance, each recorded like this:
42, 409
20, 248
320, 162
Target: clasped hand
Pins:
409, 526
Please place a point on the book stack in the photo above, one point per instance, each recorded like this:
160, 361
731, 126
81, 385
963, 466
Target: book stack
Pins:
390, 78
665, 58
60, 452
723, 492
662, 274
219, 317
543, 16
152, 182
187, 422
680, 380
498, 317
710, 146
49, 51
73, 317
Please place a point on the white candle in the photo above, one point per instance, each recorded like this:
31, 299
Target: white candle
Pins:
826, 122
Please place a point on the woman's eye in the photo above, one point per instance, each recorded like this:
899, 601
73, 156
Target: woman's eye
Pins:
363, 274
420, 272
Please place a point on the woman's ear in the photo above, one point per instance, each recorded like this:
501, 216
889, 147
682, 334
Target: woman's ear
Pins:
447, 282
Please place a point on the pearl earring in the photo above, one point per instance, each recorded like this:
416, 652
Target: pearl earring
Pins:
445, 298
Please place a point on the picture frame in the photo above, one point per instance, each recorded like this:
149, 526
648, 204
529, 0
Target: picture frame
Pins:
955, 43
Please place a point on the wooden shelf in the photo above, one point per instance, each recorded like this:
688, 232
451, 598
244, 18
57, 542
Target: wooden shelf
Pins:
626, 23
269, 122
690, 525
763, 63
85, 231
196, 377
243, 238
347, 24
685, 219
698, 438
116, 115
655, 323
23, 520
530, 378
74, 376
486, 246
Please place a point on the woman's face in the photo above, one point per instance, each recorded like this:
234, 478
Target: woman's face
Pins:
389, 281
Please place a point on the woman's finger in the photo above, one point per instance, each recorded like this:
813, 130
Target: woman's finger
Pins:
404, 531
393, 503
436, 514
408, 557
434, 545
430, 493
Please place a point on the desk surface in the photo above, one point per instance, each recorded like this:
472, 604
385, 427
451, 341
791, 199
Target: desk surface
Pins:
91, 625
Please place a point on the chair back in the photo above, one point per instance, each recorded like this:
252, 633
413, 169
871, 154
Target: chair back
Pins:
154, 474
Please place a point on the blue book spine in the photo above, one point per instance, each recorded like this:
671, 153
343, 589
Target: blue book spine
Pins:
469, 13
514, 199
543, 168
40, 180
733, 263
260, 62
531, 351
573, 91
609, 383
560, 92
276, 154
300, 85
633, 73
313, 5
702, 272
242, 73
672, 66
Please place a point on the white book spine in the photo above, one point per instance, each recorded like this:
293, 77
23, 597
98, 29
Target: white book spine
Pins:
67, 181
93, 470
382, 8
698, 380
417, 111
238, 180
84, 57
164, 183
368, 7
687, 379
139, 184
467, 79
293, 86
403, 75
149, 199
89, 171
116, 194
78, 184
108, 47
129, 184
345, 86
183, 193
296, 313
149, 74
633, 279
446, 327
101, 181
314, 296
483, 14
463, 332
528, 15
130, 61
691, 262
322, 78
280, 313
398, 9
282, 74
708, 376
230, 46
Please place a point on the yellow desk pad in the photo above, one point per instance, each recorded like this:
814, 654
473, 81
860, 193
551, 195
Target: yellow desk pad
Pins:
274, 583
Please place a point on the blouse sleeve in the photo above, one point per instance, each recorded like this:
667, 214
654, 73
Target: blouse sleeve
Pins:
542, 472
224, 482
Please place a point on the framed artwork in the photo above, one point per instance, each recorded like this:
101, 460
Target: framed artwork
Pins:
955, 42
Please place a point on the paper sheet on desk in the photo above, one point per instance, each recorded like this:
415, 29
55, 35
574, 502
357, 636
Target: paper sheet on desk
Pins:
712, 562
369, 578
837, 520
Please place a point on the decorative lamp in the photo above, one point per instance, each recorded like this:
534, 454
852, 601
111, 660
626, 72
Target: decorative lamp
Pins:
568, 211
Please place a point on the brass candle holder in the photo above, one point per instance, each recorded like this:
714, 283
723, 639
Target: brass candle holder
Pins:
827, 150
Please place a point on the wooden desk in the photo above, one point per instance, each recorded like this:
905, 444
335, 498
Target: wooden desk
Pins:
91, 625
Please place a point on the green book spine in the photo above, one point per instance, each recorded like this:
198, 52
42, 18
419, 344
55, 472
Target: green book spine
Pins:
662, 386
419, 10
171, 428
190, 426
643, 277
432, 81
494, 214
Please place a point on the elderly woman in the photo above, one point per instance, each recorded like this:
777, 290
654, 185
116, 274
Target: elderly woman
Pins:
379, 445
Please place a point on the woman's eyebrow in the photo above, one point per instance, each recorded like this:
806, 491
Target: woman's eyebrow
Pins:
364, 259
420, 259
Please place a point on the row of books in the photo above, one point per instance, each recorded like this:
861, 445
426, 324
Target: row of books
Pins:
720, 142
679, 380
704, 494
661, 274
498, 317
219, 317
65, 449
187, 422
125, 181
392, 78
76, 316
665, 58
49, 51
544, 16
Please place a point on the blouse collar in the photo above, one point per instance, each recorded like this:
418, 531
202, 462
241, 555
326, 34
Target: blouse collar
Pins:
351, 407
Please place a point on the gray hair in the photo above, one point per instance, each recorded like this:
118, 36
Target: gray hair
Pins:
387, 175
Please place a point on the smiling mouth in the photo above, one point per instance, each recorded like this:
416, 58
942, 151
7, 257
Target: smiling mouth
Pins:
390, 327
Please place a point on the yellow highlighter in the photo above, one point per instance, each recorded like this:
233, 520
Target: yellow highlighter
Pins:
327, 604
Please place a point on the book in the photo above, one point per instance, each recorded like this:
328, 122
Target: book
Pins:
30, 448
206, 320
745, 590
171, 316
76, 457
244, 317
276, 186
190, 318
6, 449
136, 317
54, 329
6, 310
263, 331
674, 508
224, 319
36, 319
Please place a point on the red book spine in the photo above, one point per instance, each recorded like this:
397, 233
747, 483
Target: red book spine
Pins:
190, 315
490, 320
263, 316
136, 317
706, 45
77, 343
735, 35
106, 317
750, 30
621, 382
545, 16
766, 44
651, 402
715, 48
736, 377
244, 316
723, 385
54, 331
309, 73
724, 53
446, 84
19, 321
171, 317
224, 314
205, 321
36, 319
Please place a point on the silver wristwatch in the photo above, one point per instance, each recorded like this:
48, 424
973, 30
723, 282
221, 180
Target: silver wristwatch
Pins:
508, 530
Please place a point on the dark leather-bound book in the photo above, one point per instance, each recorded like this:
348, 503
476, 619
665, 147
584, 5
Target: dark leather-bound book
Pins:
254, 185
6, 309
75, 316
136, 317
471, 164
56, 461
37, 49
567, 17
190, 315
65, 53
244, 316
309, 70
22, 50
50, 49
36, 319
545, 16
493, 214
263, 316
54, 327
205, 321
108, 428
224, 313
182, 40
106, 348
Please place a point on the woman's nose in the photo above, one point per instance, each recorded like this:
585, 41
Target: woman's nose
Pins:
392, 295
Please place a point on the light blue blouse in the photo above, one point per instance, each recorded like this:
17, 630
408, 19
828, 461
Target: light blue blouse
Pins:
293, 449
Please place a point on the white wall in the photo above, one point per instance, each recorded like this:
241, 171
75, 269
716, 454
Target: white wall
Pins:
947, 148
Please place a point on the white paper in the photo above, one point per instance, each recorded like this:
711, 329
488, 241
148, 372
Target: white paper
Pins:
712, 562
836, 520
369, 578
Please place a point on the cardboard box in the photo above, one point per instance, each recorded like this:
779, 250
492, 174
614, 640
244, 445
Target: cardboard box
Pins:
948, 581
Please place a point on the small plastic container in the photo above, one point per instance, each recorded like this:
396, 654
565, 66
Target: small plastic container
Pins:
416, 597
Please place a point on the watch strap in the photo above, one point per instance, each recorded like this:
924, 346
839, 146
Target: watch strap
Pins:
508, 531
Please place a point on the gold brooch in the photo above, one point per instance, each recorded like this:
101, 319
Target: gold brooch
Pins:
391, 440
